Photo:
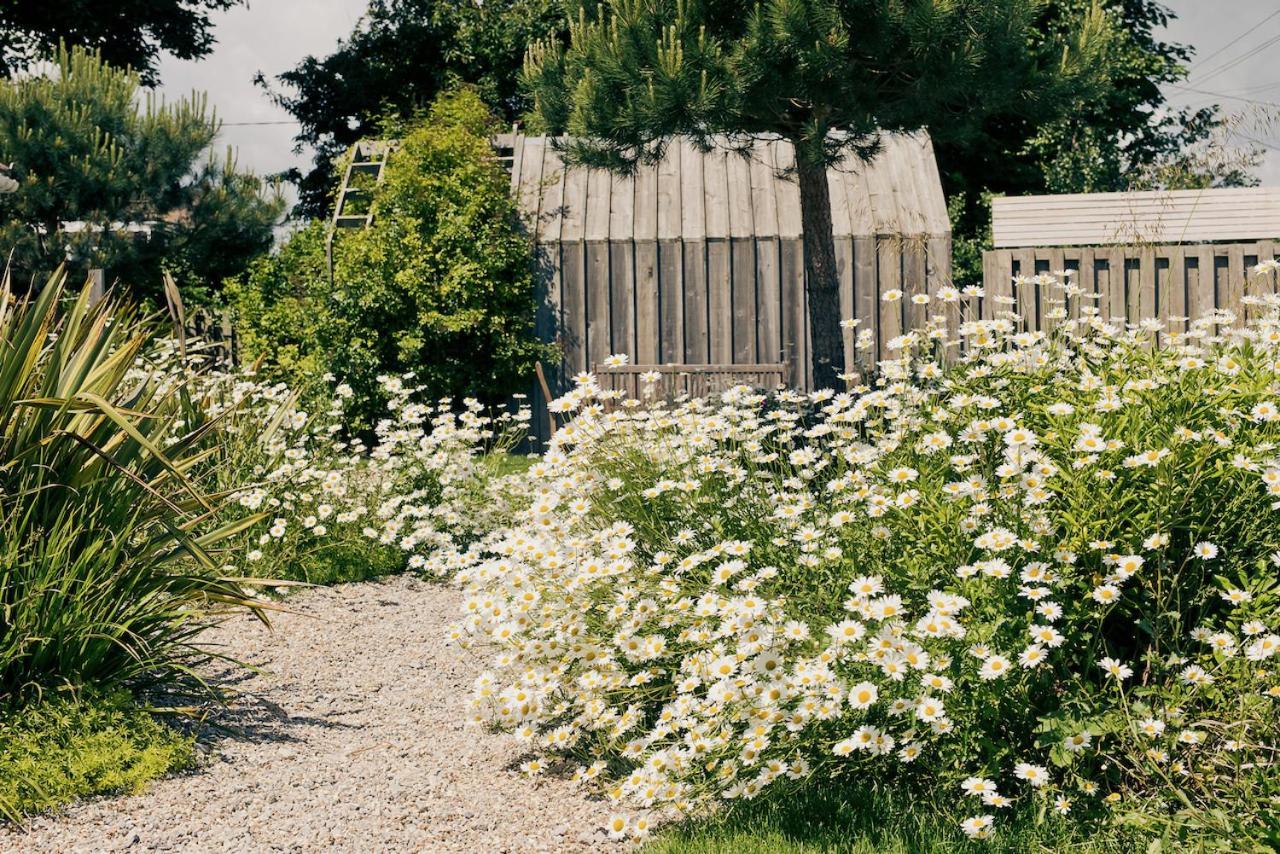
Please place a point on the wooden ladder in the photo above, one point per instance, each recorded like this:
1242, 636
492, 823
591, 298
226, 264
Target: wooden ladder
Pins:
368, 158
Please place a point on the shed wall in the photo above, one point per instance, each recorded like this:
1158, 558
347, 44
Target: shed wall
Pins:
699, 260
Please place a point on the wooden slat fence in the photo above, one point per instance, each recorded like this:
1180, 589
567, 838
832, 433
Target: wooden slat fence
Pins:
1148, 217
1134, 283
216, 334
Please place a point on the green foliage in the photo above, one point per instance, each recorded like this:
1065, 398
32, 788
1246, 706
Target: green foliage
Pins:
400, 57
1037, 578
632, 75
132, 34
1123, 135
104, 538
825, 75
88, 149
59, 749
442, 284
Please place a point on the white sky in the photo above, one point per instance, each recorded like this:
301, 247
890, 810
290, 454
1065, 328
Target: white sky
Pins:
269, 36
1237, 46
1237, 42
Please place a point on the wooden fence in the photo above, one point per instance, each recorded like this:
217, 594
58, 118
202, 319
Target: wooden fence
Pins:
689, 380
1132, 282
216, 336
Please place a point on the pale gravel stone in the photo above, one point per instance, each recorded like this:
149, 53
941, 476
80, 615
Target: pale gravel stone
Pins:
352, 740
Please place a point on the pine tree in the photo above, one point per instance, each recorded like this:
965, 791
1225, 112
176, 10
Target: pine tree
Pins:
87, 149
829, 76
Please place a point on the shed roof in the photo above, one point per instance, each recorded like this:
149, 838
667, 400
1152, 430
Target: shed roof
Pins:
721, 193
1158, 216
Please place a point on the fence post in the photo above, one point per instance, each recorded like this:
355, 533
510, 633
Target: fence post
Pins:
97, 284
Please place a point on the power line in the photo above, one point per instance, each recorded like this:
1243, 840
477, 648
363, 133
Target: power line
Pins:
255, 124
1225, 95
1227, 66
1231, 42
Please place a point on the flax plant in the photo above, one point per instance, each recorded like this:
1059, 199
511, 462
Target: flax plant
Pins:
105, 568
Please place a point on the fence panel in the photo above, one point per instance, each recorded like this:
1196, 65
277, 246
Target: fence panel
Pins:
1142, 281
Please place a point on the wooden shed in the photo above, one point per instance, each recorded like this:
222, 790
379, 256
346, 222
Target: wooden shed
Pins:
1155, 254
699, 260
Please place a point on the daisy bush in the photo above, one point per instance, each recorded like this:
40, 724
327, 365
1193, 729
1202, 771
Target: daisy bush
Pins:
1034, 572
321, 505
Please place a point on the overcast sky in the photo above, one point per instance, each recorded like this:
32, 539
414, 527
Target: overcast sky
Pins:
270, 36
1237, 44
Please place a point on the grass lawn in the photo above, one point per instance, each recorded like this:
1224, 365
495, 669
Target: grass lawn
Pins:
858, 821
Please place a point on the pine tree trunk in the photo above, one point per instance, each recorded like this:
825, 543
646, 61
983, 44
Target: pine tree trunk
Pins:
821, 280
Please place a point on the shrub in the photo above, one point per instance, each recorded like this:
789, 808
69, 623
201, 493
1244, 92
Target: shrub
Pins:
1041, 579
332, 509
441, 286
60, 749
104, 539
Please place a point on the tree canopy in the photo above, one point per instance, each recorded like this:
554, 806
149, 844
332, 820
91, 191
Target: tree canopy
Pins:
402, 55
109, 178
441, 284
827, 75
1121, 136
129, 33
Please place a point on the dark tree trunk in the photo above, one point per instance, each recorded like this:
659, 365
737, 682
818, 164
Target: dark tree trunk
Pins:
821, 280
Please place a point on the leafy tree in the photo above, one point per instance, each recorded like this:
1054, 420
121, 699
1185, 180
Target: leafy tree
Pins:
401, 55
1104, 139
99, 167
130, 33
827, 75
440, 285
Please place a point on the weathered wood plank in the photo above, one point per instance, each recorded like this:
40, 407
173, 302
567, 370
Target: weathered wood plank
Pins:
914, 282
938, 276
1087, 279
788, 191
768, 300
764, 213
693, 216
597, 205
742, 261
1052, 299
866, 295
599, 333
573, 337
622, 265
1116, 277
1173, 292
671, 300
844, 275
1235, 279
1266, 284
621, 297
648, 339
793, 319
889, 264
719, 300
739, 203
1205, 299
1147, 296
696, 341
1026, 292
715, 191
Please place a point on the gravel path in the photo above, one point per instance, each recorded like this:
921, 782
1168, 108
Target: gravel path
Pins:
350, 740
